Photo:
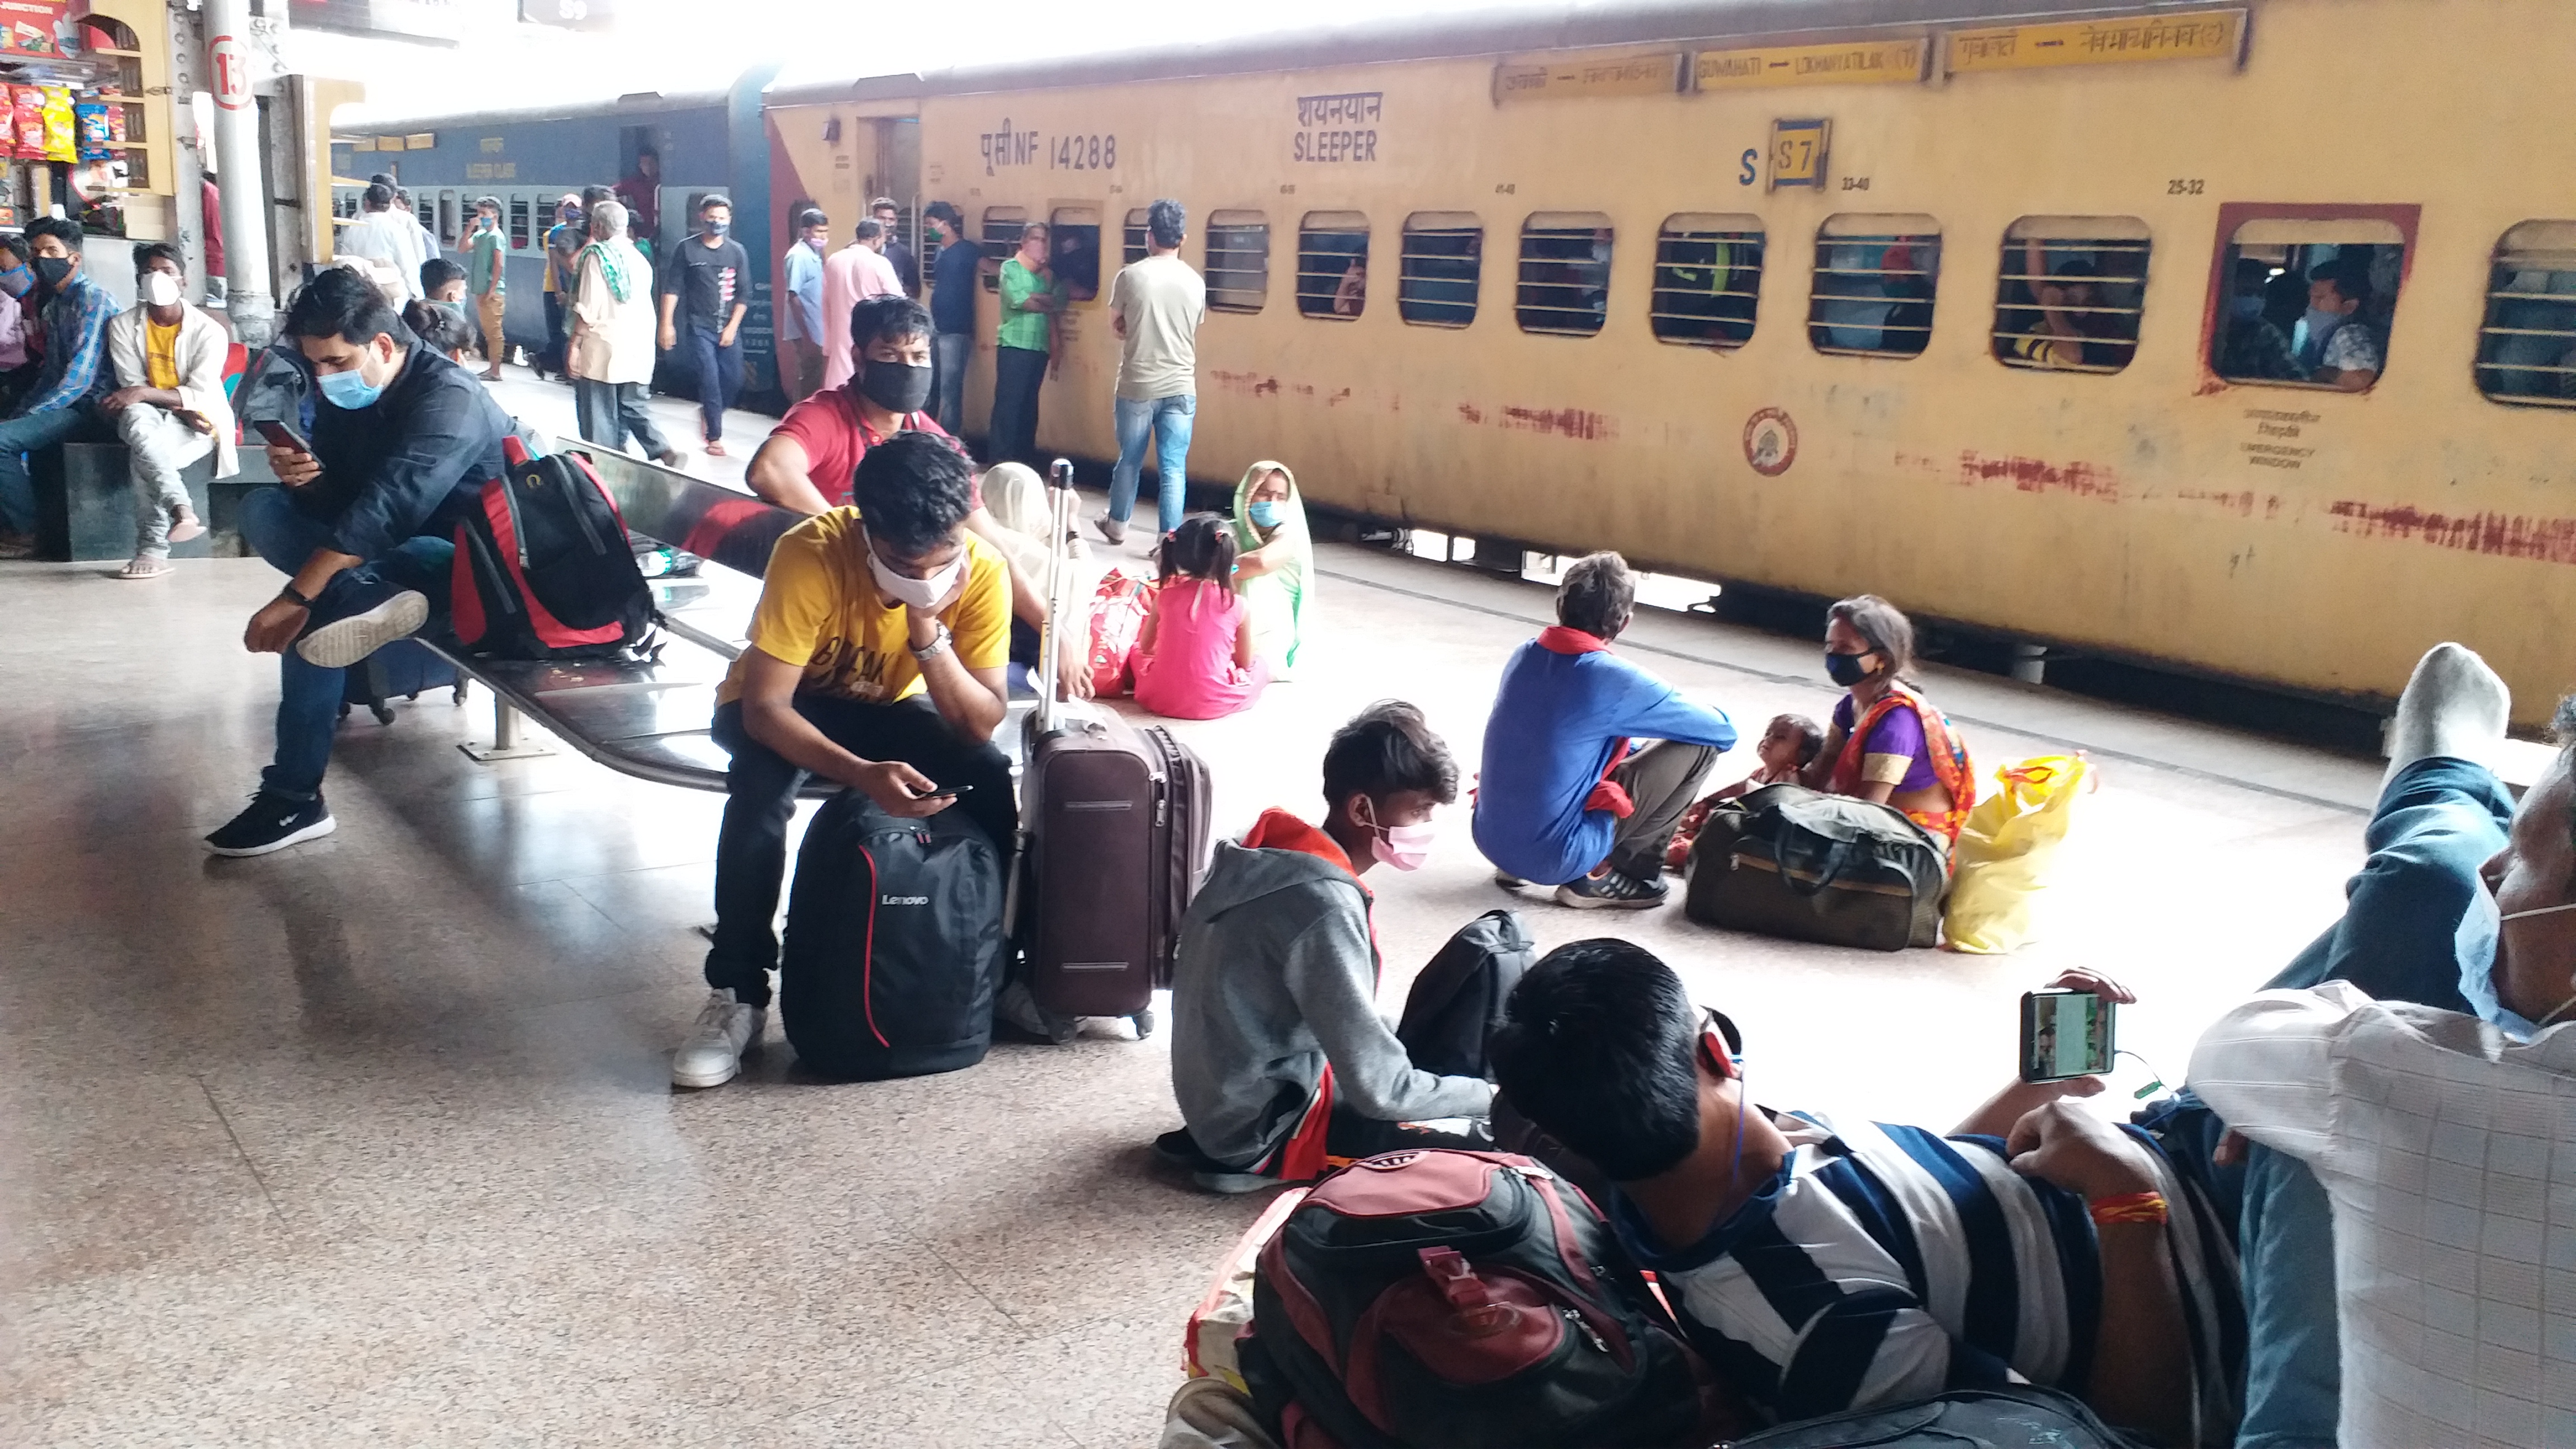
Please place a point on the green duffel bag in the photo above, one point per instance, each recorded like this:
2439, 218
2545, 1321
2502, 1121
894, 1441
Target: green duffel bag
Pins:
1788, 861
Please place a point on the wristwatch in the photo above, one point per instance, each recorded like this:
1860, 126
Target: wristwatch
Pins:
288, 594
937, 646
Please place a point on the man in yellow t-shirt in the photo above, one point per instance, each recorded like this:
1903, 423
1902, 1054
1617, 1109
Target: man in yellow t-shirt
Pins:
877, 660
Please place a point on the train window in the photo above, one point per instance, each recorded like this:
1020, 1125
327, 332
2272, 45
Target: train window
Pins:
1073, 240
1001, 238
2069, 289
519, 222
1135, 248
1565, 273
1443, 253
1238, 261
1875, 277
2527, 349
1332, 263
1708, 272
2308, 303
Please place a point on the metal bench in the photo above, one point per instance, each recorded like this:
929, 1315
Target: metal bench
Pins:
649, 719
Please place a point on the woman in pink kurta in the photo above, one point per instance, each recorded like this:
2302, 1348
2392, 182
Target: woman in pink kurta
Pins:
1194, 659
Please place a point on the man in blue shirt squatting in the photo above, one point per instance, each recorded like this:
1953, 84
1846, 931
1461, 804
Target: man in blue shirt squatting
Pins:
1566, 798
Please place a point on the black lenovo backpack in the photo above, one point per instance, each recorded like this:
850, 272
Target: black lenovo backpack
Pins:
1464, 1300
544, 569
1457, 1001
894, 942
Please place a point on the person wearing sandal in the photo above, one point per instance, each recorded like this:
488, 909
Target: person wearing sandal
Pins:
169, 404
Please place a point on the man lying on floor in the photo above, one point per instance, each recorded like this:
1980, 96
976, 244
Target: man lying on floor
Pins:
1279, 1056
1825, 1267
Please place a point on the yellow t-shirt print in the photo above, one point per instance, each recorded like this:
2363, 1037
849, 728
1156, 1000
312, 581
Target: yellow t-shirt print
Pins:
819, 608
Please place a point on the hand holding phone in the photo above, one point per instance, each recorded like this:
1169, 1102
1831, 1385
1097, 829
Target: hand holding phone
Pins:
2066, 1033
279, 435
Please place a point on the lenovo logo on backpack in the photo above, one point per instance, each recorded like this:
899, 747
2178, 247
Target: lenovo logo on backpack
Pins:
903, 900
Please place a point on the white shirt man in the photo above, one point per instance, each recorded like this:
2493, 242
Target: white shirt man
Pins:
385, 235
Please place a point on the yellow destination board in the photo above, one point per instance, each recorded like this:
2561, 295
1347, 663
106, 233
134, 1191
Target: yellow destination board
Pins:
2200, 35
1583, 77
1857, 63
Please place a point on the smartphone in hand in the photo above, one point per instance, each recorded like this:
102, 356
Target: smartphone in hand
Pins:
280, 435
2066, 1034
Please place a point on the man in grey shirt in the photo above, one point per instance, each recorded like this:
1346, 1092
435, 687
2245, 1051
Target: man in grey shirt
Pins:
1155, 307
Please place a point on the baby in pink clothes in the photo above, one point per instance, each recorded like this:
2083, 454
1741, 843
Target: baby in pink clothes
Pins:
1194, 659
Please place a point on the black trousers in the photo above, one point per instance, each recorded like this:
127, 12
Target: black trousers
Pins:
760, 798
1018, 372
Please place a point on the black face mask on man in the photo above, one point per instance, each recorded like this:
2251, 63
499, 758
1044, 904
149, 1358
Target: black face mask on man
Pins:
898, 387
53, 272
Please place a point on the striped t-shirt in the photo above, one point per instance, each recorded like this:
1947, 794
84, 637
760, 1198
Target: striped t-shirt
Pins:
1887, 1264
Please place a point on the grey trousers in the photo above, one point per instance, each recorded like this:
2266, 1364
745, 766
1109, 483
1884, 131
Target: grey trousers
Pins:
158, 445
609, 411
1663, 779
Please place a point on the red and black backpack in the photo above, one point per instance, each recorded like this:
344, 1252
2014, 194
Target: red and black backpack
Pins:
1465, 1299
544, 569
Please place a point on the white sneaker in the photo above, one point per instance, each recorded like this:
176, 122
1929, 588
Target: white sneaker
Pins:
344, 642
712, 1056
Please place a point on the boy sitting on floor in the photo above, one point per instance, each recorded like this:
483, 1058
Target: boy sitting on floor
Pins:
1279, 1056
1826, 1268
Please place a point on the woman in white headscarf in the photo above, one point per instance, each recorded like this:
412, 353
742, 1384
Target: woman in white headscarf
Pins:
1016, 498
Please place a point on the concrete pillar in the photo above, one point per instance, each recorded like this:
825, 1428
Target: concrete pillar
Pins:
237, 162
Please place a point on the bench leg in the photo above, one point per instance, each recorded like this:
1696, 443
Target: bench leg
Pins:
506, 744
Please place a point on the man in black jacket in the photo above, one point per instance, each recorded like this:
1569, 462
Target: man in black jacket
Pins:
403, 440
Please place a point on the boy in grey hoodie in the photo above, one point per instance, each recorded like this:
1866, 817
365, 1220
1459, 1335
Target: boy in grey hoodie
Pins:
1279, 1056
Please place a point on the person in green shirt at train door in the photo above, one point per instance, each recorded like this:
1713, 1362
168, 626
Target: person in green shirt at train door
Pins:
1032, 298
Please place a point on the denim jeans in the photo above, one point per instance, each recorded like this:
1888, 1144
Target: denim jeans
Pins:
2437, 822
719, 370
950, 353
1169, 419
23, 435
609, 411
760, 797
308, 695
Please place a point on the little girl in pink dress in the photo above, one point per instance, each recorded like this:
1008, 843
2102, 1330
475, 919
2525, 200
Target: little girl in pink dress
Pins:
1194, 659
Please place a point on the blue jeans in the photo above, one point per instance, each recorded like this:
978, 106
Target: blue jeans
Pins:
308, 695
1170, 420
2437, 822
719, 370
23, 435
950, 352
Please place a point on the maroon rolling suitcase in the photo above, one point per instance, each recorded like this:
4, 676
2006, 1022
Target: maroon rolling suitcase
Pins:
1114, 822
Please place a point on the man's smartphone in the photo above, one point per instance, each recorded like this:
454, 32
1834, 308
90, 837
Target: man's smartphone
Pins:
2067, 1034
947, 792
281, 436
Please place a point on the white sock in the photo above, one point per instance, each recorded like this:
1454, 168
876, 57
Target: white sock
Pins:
2454, 706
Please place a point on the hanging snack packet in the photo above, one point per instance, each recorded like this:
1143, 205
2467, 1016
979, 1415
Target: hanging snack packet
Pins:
114, 100
60, 140
90, 118
27, 118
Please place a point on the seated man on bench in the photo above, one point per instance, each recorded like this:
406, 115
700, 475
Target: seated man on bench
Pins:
62, 406
876, 661
1826, 1266
1279, 1057
169, 404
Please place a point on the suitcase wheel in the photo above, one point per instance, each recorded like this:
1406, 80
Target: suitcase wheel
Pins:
1144, 1021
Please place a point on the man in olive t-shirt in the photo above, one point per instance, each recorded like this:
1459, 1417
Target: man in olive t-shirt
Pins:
1155, 307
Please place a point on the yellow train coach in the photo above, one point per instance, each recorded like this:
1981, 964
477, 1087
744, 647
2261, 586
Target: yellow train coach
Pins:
2237, 338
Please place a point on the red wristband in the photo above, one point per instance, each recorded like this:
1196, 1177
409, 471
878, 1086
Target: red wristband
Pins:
2130, 1207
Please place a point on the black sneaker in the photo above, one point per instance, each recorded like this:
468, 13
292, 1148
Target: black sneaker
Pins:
273, 822
1177, 1149
1612, 890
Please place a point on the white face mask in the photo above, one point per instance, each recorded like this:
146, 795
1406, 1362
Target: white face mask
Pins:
910, 592
160, 289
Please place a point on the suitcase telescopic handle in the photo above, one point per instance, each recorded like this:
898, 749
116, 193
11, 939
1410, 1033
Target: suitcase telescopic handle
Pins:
1059, 590
1060, 473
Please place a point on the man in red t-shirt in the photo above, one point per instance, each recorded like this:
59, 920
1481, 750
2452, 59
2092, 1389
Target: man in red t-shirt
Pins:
808, 460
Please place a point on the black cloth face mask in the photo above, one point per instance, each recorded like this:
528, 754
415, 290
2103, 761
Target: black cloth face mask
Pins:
897, 387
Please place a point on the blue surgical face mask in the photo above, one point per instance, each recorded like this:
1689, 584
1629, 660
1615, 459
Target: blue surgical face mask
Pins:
350, 390
1265, 512
2247, 308
17, 281
2322, 323
2479, 931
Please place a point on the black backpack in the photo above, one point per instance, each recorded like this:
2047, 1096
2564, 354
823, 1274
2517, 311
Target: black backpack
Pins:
1457, 1001
894, 942
544, 569
2024, 1416
1463, 1300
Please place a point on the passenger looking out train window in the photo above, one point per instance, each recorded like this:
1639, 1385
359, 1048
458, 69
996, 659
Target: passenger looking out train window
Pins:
1443, 256
1332, 263
2070, 292
2256, 344
1075, 236
1708, 273
2527, 349
1874, 284
2338, 346
1565, 273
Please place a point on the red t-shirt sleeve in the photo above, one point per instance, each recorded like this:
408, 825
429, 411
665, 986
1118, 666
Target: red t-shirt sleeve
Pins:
925, 423
823, 428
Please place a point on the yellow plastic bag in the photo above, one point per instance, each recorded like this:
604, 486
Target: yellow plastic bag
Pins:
2006, 850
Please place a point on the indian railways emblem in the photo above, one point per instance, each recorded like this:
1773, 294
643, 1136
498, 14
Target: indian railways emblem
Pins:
1770, 442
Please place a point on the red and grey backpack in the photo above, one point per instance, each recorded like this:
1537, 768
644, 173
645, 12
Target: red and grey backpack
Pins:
543, 568
1463, 1299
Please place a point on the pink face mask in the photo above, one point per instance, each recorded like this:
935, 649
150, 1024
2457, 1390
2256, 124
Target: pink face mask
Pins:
1402, 847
